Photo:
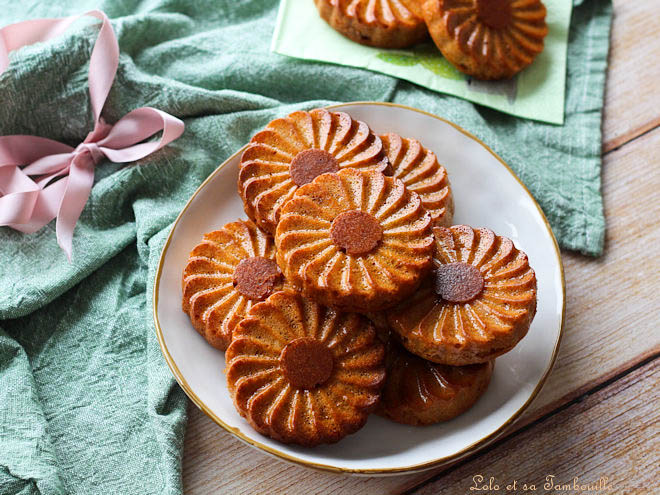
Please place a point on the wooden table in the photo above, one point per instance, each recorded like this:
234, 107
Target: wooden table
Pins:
597, 416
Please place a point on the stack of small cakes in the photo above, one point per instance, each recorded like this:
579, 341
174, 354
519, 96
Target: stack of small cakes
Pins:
486, 39
348, 291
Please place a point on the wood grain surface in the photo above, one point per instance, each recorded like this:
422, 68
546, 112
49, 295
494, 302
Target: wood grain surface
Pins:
612, 435
611, 318
632, 94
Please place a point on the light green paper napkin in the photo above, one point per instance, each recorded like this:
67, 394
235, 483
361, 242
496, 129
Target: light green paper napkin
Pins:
536, 93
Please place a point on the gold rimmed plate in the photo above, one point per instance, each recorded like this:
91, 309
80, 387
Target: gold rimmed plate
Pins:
487, 194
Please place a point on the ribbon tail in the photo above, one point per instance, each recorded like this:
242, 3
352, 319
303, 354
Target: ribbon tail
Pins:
18, 195
17, 209
103, 64
78, 187
45, 209
4, 52
21, 149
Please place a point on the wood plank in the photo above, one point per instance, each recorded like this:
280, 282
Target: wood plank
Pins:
215, 462
613, 433
611, 324
612, 308
632, 92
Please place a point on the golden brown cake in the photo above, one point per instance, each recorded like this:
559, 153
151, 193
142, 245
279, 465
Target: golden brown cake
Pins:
303, 373
291, 152
357, 241
418, 168
477, 304
419, 392
487, 39
226, 273
380, 23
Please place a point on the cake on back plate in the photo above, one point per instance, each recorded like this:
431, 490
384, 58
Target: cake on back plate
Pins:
380, 23
487, 39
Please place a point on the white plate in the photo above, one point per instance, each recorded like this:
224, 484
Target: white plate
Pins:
487, 194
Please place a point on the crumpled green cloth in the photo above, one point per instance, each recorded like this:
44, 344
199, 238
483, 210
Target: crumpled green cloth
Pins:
87, 403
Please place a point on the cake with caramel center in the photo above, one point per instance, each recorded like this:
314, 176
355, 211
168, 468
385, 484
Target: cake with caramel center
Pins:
380, 23
292, 151
487, 39
477, 304
303, 373
226, 273
355, 240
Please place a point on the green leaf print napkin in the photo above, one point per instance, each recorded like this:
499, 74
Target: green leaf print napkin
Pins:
536, 93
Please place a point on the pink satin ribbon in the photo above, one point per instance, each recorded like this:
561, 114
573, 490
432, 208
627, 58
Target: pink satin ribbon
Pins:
30, 194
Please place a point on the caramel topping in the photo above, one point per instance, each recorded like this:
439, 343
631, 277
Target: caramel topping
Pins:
309, 164
494, 13
356, 232
458, 282
256, 277
306, 363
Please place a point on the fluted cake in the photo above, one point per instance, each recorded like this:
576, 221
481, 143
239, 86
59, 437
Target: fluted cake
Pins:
380, 23
420, 392
302, 373
292, 151
418, 168
477, 304
226, 273
487, 39
357, 241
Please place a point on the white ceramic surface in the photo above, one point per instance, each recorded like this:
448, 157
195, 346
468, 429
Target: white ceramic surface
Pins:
487, 194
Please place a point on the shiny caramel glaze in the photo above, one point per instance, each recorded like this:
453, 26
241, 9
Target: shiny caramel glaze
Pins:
380, 23
485, 327
487, 39
419, 392
210, 296
264, 181
267, 362
312, 261
418, 168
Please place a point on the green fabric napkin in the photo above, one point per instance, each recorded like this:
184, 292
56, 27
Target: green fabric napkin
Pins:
87, 403
536, 93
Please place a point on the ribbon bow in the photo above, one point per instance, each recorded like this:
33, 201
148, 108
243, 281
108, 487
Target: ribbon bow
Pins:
30, 197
